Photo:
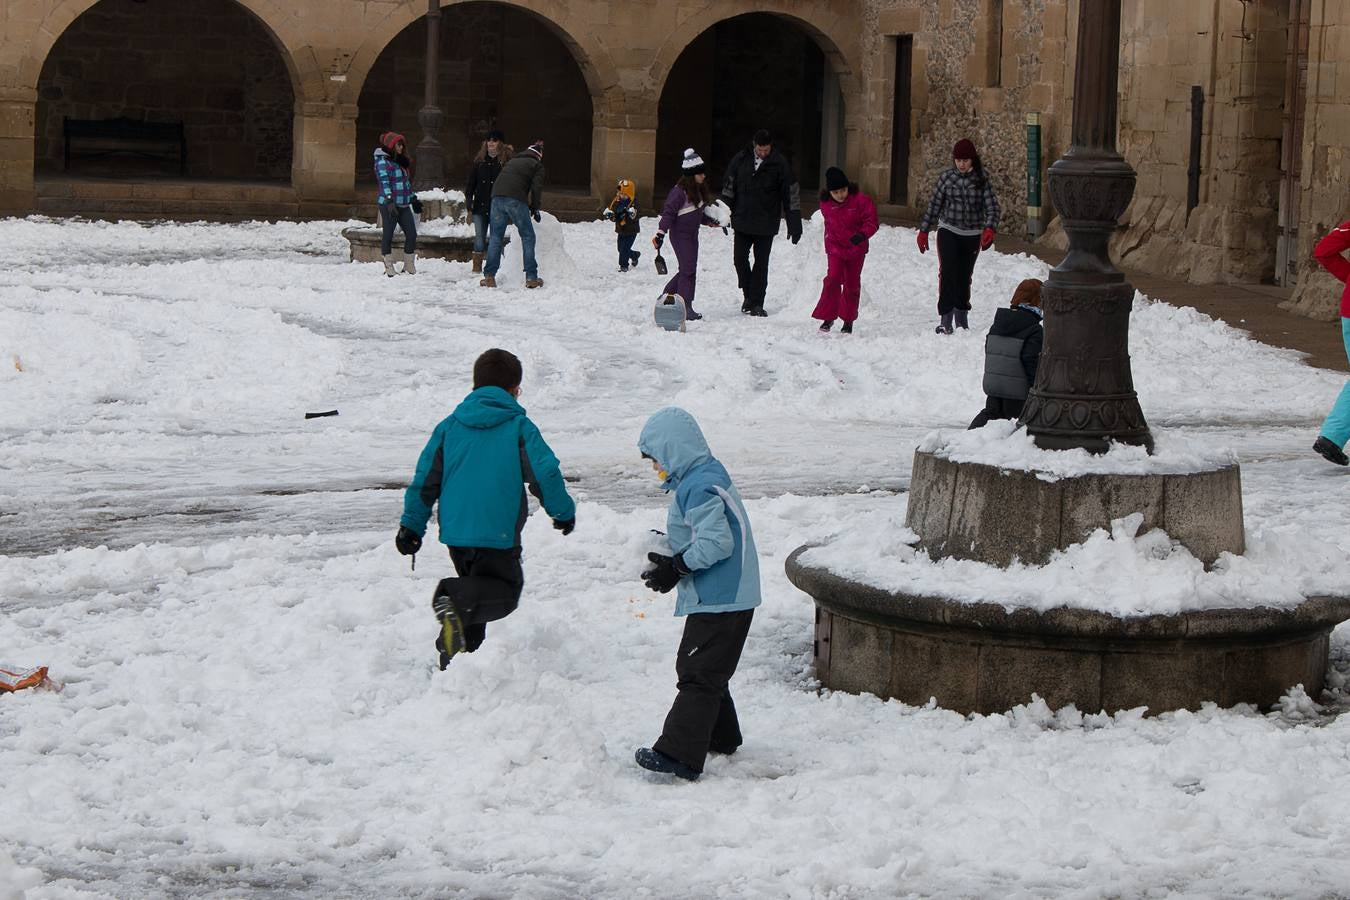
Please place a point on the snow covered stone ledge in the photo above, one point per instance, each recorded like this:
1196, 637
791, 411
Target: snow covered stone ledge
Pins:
1111, 581
992, 495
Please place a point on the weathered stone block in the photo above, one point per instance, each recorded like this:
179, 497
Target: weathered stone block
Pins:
1000, 515
1010, 674
1169, 677
1204, 512
860, 656
925, 667
1093, 500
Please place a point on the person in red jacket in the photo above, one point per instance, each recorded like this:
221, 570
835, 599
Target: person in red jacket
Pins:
850, 219
1330, 252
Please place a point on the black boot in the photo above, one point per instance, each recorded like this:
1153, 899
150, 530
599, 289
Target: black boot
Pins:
1330, 452
826, 325
945, 325
847, 328
656, 761
961, 321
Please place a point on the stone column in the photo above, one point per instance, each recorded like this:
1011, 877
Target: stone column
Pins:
18, 195
1084, 392
623, 143
324, 150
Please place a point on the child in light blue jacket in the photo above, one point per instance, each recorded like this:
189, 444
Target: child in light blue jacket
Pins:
716, 570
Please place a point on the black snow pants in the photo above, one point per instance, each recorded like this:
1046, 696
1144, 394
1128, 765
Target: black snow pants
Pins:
703, 718
487, 589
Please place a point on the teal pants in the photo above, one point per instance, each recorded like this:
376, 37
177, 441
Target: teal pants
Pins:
1337, 426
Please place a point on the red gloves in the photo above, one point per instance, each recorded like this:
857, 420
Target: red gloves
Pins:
923, 241
986, 239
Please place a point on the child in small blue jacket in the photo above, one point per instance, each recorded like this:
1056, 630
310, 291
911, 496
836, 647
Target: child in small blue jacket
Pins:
474, 469
716, 569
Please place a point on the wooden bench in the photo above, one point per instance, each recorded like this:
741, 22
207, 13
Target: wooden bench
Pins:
104, 137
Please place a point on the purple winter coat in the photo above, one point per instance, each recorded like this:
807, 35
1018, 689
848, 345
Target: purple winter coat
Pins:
680, 220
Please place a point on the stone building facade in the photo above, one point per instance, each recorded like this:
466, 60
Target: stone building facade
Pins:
281, 102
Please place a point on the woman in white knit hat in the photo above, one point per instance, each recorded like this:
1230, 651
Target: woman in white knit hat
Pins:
688, 205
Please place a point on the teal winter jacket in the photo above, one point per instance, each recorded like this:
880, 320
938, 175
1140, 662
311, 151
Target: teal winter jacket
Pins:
707, 522
476, 466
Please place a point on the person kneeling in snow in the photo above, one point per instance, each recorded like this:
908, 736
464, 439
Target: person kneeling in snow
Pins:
716, 570
1012, 353
475, 467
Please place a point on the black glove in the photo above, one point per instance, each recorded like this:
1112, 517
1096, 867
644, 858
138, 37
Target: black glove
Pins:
565, 525
794, 236
416, 205
665, 573
659, 240
535, 215
857, 238
407, 541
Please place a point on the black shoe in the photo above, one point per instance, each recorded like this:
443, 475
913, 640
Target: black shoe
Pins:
691, 316
755, 311
943, 329
452, 638
632, 260
1330, 452
826, 325
847, 328
656, 761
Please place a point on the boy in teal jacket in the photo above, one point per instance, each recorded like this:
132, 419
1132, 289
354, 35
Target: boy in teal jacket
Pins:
475, 468
716, 569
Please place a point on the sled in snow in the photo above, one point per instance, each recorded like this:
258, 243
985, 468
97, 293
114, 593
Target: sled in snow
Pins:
671, 312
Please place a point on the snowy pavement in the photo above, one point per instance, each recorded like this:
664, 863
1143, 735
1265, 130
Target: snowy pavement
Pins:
251, 707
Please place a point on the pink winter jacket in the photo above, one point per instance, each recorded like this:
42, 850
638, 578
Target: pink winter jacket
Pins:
857, 214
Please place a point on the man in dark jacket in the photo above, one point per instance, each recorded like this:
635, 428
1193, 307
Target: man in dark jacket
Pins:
759, 188
515, 200
1012, 354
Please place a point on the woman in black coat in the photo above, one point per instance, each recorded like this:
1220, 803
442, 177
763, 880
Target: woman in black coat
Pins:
1012, 352
487, 165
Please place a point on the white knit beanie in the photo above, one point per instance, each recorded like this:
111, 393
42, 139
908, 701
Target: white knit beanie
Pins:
693, 163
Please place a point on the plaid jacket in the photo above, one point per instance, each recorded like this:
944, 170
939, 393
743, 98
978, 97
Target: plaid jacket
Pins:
393, 180
959, 202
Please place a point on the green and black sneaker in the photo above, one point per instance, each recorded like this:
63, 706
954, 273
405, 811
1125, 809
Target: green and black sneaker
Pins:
451, 640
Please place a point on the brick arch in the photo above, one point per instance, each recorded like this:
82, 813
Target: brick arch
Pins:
822, 24
593, 61
273, 15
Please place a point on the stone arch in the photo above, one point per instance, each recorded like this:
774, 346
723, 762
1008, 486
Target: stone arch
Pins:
821, 26
596, 68
103, 58
702, 48
484, 85
273, 15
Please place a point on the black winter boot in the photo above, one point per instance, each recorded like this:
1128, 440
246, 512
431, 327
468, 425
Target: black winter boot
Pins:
1330, 452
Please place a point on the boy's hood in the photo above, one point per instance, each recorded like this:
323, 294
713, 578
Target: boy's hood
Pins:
674, 440
487, 407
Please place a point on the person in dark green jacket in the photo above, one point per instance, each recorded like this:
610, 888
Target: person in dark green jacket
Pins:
474, 469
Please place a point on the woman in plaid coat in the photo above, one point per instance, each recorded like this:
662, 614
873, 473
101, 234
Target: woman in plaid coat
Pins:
398, 204
966, 214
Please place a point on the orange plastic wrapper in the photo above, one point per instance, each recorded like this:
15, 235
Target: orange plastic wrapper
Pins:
13, 678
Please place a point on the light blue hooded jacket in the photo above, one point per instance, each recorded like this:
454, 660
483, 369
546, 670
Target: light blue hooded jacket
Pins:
707, 522
474, 470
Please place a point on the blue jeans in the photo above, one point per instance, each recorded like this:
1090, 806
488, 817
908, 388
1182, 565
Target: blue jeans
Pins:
626, 255
480, 231
510, 211
1337, 426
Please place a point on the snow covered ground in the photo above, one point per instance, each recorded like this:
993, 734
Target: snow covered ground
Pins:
251, 707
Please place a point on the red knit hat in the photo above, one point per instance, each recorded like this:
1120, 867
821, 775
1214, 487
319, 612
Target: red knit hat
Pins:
964, 149
390, 139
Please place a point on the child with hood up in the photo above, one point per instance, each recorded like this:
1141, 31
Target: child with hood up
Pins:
716, 569
623, 212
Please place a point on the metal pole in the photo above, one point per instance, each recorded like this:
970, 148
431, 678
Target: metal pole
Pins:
430, 171
1084, 393
1033, 175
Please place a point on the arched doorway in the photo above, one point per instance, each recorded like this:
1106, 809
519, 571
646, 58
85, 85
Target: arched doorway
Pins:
500, 67
758, 70
209, 65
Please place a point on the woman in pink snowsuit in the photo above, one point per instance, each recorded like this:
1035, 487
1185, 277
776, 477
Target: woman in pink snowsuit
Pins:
850, 219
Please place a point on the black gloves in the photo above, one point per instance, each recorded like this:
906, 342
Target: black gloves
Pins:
407, 541
565, 525
665, 573
416, 205
535, 215
858, 238
659, 239
794, 236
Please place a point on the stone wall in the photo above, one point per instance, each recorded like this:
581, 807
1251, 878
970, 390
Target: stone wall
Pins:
499, 68
206, 63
